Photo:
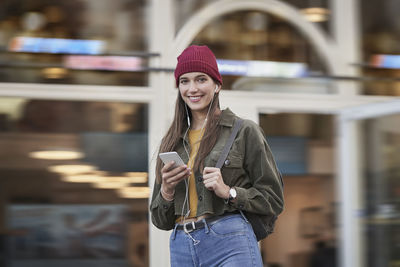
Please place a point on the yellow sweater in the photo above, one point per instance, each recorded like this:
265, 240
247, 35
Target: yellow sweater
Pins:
194, 141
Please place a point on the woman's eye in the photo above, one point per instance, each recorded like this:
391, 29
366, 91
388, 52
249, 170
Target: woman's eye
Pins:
202, 80
183, 81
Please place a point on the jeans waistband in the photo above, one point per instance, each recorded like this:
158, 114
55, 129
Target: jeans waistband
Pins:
191, 226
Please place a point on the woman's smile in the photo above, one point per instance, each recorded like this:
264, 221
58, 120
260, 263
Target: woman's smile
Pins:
195, 99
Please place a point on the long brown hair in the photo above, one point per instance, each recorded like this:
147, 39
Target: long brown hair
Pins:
178, 127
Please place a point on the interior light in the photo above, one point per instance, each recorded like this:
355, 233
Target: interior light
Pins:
137, 177
56, 154
115, 182
138, 180
136, 174
110, 184
73, 169
316, 14
54, 73
82, 178
118, 179
134, 192
99, 177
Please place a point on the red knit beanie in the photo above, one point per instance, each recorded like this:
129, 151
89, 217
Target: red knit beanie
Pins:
197, 59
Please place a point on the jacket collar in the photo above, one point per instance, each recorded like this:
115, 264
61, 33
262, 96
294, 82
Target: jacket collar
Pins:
227, 118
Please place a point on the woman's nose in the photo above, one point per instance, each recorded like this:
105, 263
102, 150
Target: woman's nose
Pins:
192, 87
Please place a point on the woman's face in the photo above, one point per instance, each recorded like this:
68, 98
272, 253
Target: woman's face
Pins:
197, 90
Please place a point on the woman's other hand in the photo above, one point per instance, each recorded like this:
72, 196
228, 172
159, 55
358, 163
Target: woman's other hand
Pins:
171, 177
212, 179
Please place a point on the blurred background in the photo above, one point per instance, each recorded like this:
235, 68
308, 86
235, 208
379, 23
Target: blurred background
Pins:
87, 91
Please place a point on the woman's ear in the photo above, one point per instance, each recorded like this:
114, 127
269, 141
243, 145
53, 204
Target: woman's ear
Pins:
216, 88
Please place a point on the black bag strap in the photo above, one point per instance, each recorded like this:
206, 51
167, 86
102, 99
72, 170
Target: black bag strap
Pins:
229, 143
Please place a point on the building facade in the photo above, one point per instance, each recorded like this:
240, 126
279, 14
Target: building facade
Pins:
314, 79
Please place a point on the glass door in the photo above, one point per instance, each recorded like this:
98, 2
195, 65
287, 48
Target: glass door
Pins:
381, 190
368, 142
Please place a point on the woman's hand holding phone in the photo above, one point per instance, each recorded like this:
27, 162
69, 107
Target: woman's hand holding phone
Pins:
171, 176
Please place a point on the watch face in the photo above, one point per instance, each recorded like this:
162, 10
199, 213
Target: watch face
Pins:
232, 193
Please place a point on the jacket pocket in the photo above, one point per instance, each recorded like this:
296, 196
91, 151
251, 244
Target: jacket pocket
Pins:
232, 169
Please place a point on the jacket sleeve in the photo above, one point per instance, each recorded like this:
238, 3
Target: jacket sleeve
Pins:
162, 211
265, 195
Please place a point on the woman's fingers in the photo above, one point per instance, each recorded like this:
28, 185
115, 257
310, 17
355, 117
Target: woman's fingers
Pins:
176, 171
178, 177
211, 177
211, 183
211, 170
168, 166
210, 173
171, 176
213, 180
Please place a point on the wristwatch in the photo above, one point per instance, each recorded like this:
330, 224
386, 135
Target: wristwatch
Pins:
232, 195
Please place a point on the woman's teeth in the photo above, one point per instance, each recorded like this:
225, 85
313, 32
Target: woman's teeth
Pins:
194, 98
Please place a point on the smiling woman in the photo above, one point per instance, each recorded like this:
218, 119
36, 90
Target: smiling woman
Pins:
203, 203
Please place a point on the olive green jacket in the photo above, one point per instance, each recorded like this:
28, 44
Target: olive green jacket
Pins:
250, 168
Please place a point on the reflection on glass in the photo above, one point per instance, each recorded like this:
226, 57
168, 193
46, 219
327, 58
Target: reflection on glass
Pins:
53, 212
303, 145
380, 28
382, 187
134, 192
184, 10
37, 38
246, 37
56, 154
76, 232
72, 169
316, 14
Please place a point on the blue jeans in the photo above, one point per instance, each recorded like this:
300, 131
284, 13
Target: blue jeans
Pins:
228, 242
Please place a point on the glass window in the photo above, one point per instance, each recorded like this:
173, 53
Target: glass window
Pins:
184, 10
316, 11
274, 54
381, 46
75, 42
382, 191
303, 148
74, 182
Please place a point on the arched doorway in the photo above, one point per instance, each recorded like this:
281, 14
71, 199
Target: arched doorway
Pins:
322, 44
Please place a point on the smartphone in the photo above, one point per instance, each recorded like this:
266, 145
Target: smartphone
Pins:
167, 157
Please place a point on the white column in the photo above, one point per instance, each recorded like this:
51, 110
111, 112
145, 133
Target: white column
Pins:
348, 190
161, 28
343, 191
346, 32
345, 23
